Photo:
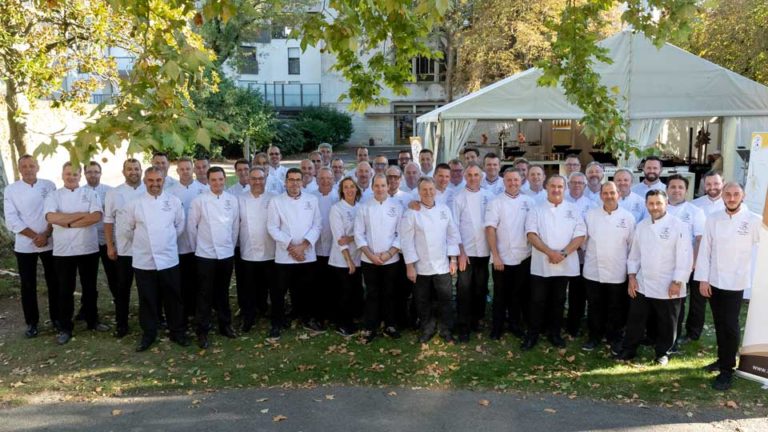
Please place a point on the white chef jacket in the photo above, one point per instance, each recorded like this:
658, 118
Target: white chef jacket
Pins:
169, 182
377, 226
213, 225
291, 221
404, 187
101, 190
278, 173
594, 196
274, 185
609, 237
660, 253
635, 204
428, 238
73, 241
325, 202
494, 188
556, 226
469, 215
155, 223
404, 198
642, 188
115, 207
538, 197
709, 206
692, 216
186, 194
24, 204
366, 194
508, 214
727, 250
457, 188
430, 173
311, 187
583, 203
255, 242
342, 222
237, 189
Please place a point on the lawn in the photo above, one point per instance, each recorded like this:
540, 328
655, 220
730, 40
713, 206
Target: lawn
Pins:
96, 364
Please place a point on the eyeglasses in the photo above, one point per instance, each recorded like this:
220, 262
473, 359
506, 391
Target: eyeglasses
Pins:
294, 180
380, 164
573, 164
274, 154
393, 176
316, 161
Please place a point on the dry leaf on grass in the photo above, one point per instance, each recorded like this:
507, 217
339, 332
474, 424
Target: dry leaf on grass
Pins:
484, 402
732, 404
117, 412
279, 418
329, 397
550, 410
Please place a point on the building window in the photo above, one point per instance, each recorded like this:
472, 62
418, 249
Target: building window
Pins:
405, 116
428, 70
248, 61
294, 65
280, 31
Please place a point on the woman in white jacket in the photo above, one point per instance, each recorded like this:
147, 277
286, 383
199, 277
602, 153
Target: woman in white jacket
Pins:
344, 259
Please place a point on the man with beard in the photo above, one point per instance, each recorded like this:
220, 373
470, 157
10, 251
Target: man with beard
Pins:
659, 263
651, 172
403, 158
595, 174
712, 201
119, 241
724, 269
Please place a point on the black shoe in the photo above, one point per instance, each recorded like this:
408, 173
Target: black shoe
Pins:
392, 332
723, 382
247, 326
426, 337
144, 344
712, 367
274, 333
675, 348
228, 332
463, 337
662, 360
202, 341
57, 326
528, 343
31, 331
495, 334
312, 326
556, 341
120, 332
182, 341
616, 348
344, 331
99, 327
590, 345
368, 336
447, 338
625, 356
63, 337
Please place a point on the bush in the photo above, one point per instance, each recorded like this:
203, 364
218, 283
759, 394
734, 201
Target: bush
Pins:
323, 124
288, 137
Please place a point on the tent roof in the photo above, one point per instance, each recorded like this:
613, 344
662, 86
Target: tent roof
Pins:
657, 83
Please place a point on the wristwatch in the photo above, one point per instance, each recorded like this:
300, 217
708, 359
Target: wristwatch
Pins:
565, 254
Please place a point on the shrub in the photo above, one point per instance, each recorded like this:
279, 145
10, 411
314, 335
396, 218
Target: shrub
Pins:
288, 137
323, 124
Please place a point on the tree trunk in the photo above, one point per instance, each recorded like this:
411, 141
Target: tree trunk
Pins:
450, 55
6, 237
17, 109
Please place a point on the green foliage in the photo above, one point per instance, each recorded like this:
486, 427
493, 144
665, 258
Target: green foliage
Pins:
733, 34
575, 52
323, 124
246, 113
288, 137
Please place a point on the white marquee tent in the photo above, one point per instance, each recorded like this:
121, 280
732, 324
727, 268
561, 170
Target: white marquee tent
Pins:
655, 85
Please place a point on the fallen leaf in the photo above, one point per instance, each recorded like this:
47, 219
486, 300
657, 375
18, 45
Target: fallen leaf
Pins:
265, 410
732, 404
570, 359
117, 412
550, 410
279, 418
689, 414
479, 348
484, 402
392, 393
196, 402
262, 400
329, 397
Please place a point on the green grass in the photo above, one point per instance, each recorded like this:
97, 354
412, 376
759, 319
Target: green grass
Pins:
94, 365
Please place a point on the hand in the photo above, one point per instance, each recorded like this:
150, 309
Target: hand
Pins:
463, 262
674, 290
410, 272
112, 253
345, 240
414, 205
352, 267
376, 259
452, 267
498, 265
632, 287
705, 289
555, 257
40, 240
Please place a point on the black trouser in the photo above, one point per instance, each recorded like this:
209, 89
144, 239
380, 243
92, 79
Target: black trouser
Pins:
110, 271
379, 295
240, 282
213, 277
666, 313
189, 283
423, 290
726, 306
347, 290
605, 315
158, 288
547, 305
67, 269
27, 264
405, 310
324, 289
577, 303
510, 287
697, 309
258, 278
471, 294
124, 267
298, 280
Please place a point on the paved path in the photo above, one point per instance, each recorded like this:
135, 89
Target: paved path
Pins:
360, 409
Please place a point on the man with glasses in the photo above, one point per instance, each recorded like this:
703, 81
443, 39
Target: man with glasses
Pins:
276, 170
457, 176
572, 165
380, 164
337, 166
403, 157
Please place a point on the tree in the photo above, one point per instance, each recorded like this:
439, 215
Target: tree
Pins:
733, 34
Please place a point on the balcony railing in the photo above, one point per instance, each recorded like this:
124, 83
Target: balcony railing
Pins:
286, 96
